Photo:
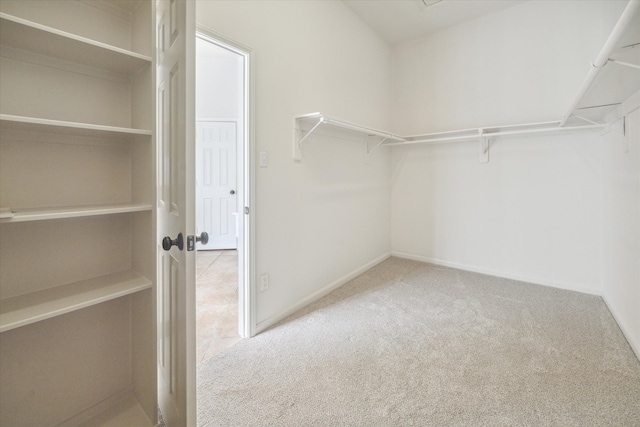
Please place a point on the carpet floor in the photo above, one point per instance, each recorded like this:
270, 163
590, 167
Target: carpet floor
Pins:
408, 343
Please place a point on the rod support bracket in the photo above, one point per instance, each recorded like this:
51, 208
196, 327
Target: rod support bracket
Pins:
483, 147
375, 147
298, 139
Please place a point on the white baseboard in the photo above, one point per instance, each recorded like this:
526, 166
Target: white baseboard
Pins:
624, 327
261, 326
496, 273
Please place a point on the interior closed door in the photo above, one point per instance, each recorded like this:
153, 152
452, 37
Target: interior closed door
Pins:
216, 183
176, 214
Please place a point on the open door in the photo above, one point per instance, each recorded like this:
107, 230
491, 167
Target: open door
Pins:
175, 23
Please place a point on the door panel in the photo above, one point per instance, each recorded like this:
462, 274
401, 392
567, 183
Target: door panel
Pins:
176, 215
216, 183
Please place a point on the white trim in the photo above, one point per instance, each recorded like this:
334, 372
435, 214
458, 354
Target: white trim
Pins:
215, 119
490, 272
248, 320
626, 330
326, 290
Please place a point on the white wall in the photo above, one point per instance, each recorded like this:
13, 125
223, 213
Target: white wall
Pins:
329, 215
621, 231
523, 64
534, 211
219, 90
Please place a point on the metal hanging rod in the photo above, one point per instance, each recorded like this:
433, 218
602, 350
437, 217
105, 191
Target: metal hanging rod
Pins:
482, 132
307, 124
415, 137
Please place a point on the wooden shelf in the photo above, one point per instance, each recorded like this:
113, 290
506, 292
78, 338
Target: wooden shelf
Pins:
8, 121
22, 215
30, 308
77, 125
21, 34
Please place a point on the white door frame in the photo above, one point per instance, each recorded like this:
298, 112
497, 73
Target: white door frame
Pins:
246, 171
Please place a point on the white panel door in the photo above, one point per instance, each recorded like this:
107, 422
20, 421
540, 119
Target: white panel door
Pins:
216, 179
176, 215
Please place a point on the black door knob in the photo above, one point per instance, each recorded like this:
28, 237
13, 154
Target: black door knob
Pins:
167, 243
232, 192
203, 238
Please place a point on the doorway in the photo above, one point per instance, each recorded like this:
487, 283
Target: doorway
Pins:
223, 184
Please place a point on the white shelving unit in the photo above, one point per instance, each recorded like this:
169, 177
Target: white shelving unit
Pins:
614, 74
306, 125
613, 79
77, 218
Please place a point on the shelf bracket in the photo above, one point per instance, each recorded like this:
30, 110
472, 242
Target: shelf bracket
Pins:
375, 147
624, 64
620, 127
297, 141
622, 130
483, 147
585, 119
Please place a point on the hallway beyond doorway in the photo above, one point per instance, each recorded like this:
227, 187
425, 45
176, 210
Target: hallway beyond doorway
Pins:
216, 302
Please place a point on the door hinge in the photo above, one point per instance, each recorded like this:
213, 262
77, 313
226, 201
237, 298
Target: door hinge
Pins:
246, 210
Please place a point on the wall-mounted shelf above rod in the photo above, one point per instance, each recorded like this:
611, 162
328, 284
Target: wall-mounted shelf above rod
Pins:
485, 134
304, 126
614, 75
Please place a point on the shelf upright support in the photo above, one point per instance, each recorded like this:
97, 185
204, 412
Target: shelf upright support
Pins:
622, 130
483, 147
297, 141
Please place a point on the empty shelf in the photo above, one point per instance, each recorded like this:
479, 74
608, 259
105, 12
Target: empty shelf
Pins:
30, 308
8, 121
21, 34
21, 215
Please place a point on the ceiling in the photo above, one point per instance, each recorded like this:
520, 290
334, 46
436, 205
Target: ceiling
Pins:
401, 20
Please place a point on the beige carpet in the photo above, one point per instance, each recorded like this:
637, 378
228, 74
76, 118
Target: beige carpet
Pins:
409, 343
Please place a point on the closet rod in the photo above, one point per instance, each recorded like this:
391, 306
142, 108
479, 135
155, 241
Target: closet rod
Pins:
482, 134
415, 137
602, 59
355, 127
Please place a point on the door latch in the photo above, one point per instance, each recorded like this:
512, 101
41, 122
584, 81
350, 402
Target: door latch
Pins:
202, 238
